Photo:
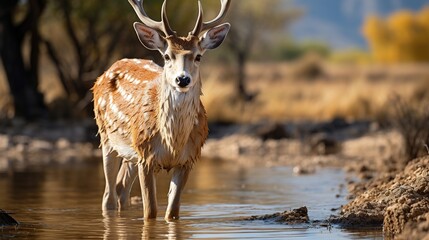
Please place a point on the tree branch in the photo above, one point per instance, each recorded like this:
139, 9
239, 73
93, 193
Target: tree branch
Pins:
68, 87
72, 33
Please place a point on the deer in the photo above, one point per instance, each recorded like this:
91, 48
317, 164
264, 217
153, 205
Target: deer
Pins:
151, 118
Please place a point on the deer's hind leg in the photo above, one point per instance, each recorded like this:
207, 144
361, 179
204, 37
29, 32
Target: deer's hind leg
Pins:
125, 180
111, 166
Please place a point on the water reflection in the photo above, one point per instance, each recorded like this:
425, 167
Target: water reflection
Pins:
174, 231
119, 227
60, 202
114, 227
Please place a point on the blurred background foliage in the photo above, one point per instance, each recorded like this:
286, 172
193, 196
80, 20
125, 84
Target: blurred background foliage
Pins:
53, 50
400, 37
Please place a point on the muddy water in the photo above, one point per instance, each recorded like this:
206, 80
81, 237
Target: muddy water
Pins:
63, 202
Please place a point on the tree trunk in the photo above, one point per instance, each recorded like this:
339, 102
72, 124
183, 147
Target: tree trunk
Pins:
14, 65
23, 81
37, 7
241, 76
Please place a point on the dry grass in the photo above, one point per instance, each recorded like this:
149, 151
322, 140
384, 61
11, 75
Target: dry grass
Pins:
411, 119
352, 92
286, 93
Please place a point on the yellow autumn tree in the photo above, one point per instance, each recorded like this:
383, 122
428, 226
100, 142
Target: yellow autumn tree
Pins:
401, 37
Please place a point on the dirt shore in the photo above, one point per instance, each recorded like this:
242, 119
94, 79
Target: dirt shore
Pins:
397, 201
384, 191
24, 145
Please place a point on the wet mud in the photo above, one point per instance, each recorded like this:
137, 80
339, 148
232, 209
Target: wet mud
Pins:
292, 217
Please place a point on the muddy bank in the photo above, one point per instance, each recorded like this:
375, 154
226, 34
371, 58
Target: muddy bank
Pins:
416, 229
359, 147
307, 146
384, 191
24, 144
302, 144
292, 217
395, 201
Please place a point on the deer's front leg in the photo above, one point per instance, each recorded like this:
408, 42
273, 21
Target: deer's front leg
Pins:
111, 168
148, 189
125, 180
178, 181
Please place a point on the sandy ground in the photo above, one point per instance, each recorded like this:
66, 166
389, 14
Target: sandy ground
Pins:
384, 191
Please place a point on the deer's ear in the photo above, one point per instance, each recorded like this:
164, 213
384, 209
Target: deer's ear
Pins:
214, 37
149, 37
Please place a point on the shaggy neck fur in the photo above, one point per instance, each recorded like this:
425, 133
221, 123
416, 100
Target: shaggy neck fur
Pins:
178, 115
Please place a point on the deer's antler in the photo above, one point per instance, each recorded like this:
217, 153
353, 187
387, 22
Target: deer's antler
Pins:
162, 26
201, 26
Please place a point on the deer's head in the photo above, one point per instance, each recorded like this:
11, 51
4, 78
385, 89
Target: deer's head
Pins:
182, 55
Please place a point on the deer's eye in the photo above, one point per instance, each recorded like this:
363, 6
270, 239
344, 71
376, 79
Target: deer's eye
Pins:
167, 57
198, 58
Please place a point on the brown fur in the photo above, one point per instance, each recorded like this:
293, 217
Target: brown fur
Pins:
141, 126
182, 43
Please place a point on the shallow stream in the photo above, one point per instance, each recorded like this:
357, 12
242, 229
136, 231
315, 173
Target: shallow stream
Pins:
64, 202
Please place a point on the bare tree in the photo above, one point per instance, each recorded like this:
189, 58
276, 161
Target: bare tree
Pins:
254, 24
22, 70
94, 30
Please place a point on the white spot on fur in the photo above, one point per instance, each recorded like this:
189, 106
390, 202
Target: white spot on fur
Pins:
137, 61
127, 77
114, 108
109, 120
135, 81
110, 75
127, 96
101, 102
150, 68
120, 115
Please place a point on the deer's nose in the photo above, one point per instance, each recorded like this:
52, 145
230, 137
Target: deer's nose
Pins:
183, 81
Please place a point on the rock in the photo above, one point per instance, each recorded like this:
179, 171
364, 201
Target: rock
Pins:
63, 143
271, 131
322, 144
233, 147
397, 215
418, 229
359, 219
4, 141
40, 145
4, 164
303, 170
136, 200
329, 127
6, 219
20, 139
295, 216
